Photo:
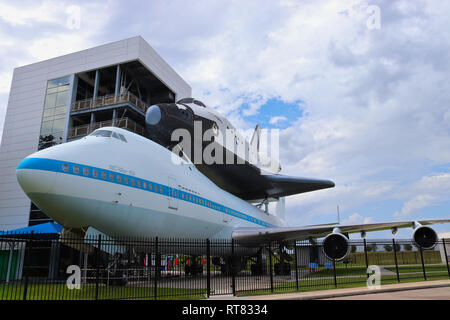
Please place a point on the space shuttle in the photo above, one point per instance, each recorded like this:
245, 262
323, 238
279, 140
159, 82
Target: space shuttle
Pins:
116, 183
241, 169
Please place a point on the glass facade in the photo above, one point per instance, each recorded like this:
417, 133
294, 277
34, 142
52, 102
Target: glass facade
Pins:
52, 128
55, 109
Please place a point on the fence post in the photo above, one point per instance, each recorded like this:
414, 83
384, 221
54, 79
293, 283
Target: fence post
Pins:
446, 257
28, 262
334, 273
156, 269
365, 256
296, 264
208, 267
270, 267
395, 258
423, 264
97, 261
233, 278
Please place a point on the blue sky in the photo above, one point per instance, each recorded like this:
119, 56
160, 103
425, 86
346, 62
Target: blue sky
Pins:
364, 105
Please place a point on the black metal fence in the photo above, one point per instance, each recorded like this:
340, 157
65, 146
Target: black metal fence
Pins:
50, 267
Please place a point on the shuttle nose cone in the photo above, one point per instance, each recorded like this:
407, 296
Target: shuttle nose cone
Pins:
36, 176
153, 115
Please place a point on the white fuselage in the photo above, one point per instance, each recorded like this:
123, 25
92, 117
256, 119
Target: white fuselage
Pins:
135, 188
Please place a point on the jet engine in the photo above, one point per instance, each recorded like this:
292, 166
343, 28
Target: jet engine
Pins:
425, 237
335, 246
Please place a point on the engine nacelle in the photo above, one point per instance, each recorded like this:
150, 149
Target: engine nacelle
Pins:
425, 237
335, 246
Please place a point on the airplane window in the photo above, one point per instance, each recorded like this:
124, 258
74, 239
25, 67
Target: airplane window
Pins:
65, 167
139, 183
111, 176
145, 185
125, 180
150, 186
101, 133
132, 182
86, 171
76, 169
95, 173
115, 135
103, 175
119, 178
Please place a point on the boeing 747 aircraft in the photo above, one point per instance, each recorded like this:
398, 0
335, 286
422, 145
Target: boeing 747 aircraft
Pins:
122, 184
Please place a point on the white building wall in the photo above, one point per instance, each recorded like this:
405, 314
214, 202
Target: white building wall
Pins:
26, 103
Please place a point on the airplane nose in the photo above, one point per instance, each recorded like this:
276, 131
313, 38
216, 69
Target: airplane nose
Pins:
153, 115
36, 175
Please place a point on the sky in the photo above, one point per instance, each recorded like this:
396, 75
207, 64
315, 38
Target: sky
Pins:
358, 89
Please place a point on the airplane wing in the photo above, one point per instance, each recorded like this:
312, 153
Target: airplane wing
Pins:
318, 231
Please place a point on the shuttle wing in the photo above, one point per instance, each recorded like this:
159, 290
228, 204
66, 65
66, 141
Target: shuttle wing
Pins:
318, 231
282, 186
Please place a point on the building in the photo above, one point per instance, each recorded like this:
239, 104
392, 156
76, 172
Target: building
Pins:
66, 98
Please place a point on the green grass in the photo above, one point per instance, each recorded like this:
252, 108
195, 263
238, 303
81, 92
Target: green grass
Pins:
88, 292
340, 272
416, 268
289, 287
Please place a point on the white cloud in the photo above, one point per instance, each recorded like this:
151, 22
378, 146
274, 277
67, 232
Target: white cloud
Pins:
418, 202
276, 119
356, 218
375, 115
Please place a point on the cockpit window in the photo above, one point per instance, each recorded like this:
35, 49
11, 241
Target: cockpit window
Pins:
108, 134
192, 100
101, 133
122, 138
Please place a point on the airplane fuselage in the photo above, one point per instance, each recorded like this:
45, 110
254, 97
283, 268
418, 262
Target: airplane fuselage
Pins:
133, 188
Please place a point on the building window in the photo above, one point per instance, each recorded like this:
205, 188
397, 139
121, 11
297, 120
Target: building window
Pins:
54, 114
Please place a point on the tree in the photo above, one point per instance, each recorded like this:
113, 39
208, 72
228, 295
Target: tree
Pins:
407, 247
387, 247
46, 141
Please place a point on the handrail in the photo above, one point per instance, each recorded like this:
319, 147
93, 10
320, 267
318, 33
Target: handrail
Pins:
125, 123
109, 100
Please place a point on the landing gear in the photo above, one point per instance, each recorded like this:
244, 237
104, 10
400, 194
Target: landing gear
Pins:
258, 268
228, 265
193, 268
116, 273
283, 267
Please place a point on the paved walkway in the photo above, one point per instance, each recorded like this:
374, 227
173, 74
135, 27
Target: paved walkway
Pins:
348, 292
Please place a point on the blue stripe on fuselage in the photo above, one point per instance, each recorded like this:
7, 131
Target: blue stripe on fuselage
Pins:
104, 175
